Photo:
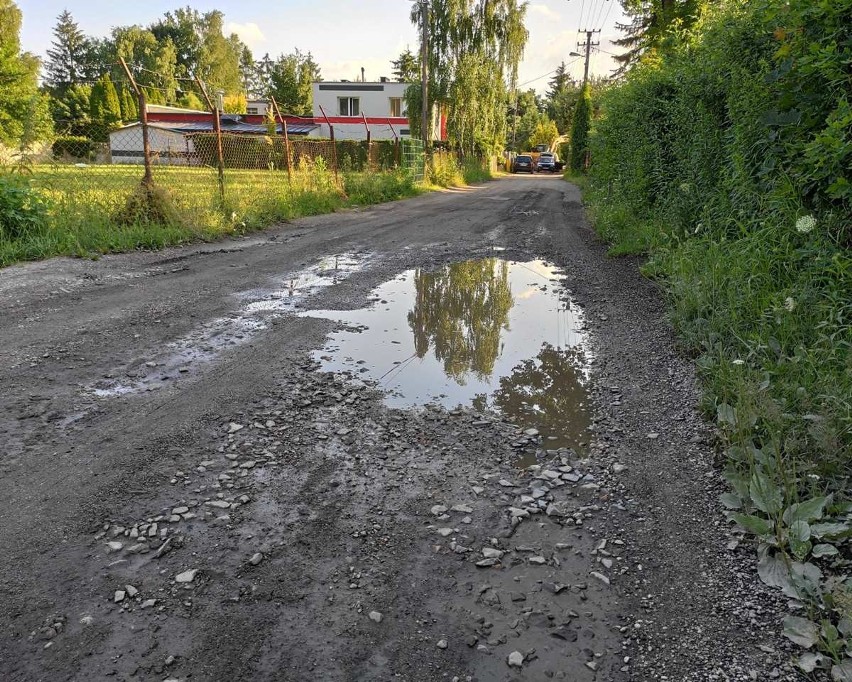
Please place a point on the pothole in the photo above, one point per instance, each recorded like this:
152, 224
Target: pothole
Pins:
258, 309
491, 334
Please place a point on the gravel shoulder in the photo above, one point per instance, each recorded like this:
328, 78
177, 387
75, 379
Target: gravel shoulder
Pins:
236, 514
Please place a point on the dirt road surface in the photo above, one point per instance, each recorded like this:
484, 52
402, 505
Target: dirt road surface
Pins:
202, 480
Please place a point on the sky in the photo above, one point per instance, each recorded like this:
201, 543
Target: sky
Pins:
343, 35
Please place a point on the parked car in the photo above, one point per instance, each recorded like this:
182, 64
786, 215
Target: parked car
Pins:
523, 163
547, 162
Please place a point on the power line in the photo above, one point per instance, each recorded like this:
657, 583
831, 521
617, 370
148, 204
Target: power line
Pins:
538, 78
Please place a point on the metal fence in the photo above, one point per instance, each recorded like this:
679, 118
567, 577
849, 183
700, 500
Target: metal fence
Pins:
91, 172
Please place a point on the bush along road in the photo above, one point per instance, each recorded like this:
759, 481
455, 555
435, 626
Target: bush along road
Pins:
246, 460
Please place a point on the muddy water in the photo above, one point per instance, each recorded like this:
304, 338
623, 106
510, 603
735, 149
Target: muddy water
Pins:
493, 334
257, 310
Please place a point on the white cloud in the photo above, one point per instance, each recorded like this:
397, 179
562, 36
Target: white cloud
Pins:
249, 33
545, 11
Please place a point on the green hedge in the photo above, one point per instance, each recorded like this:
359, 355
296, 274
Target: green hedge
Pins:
73, 146
728, 157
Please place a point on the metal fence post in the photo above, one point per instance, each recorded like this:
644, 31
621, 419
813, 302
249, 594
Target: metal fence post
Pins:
148, 177
217, 129
286, 140
333, 145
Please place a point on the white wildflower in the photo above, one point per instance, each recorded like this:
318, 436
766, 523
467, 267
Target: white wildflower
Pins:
806, 224
790, 304
739, 362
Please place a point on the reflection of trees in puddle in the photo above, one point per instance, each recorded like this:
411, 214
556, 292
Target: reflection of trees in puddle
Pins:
548, 391
461, 310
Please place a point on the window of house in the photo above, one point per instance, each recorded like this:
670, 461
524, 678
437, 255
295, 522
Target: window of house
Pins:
349, 106
396, 107
251, 110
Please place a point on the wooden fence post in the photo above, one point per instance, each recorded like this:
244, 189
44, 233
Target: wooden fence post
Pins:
148, 177
333, 145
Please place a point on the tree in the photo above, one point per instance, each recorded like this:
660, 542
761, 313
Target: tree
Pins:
129, 109
158, 61
545, 132
650, 24
562, 96
104, 106
70, 112
580, 130
406, 69
289, 79
475, 47
67, 59
24, 115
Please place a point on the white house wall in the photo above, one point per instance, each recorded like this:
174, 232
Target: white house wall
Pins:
167, 146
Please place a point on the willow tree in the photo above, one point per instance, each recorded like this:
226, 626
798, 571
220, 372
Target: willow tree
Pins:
474, 49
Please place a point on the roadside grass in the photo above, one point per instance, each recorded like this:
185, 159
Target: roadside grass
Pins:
84, 207
445, 170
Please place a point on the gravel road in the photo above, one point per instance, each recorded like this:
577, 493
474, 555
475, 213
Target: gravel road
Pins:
187, 495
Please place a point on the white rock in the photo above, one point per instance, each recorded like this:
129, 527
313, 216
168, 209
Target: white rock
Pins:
438, 509
115, 546
375, 616
444, 532
531, 432
219, 504
462, 508
442, 644
131, 591
600, 576
119, 596
491, 553
233, 427
186, 576
515, 660
256, 558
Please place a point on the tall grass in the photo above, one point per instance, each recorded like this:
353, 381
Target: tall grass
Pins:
446, 170
83, 209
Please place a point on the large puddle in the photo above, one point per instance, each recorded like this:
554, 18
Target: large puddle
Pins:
492, 334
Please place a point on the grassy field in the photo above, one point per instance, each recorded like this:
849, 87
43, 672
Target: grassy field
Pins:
85, 206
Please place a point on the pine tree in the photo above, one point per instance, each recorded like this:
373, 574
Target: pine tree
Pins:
650, 21
103, 103
129, 110
406, 69
66, 63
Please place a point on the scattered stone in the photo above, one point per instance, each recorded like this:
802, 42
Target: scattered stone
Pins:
538, 560
486, 563
119, 596
438, 510
233, 427
186, 576
375, 616
600, 576
256, 558
445, 532
131, 591
531, 432
219, 504
618, 468
462, 508
652, 436
115, 546
515, 660
442, 644
491, 553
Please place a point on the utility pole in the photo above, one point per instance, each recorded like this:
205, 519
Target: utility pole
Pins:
588, 44
424, 74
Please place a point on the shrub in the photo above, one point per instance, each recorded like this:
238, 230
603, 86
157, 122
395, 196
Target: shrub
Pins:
73, 146
580, 130
23, 212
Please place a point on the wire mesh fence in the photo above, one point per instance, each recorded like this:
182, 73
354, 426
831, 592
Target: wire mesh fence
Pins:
93, 172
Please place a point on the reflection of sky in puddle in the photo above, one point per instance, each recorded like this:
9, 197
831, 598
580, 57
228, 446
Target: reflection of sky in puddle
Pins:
488, 333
